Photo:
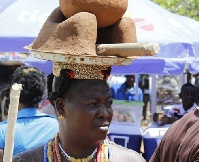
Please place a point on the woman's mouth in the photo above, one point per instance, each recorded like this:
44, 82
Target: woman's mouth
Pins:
104, 128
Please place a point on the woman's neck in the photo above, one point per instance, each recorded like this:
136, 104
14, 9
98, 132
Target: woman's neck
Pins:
75, 148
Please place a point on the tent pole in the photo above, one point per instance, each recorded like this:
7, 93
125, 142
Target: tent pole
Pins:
136, 87
153, 96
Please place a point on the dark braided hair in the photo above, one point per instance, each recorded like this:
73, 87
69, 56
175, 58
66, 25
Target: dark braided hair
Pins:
5, 93
33, 84
58, 87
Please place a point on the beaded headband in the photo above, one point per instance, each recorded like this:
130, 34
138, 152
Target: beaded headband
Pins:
82, 71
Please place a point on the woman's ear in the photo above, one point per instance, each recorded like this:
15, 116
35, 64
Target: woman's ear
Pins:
60, 108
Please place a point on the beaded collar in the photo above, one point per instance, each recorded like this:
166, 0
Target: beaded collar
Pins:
72, 159
52, 152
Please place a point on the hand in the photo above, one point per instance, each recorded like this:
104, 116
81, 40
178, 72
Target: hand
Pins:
1, 155
155, 117
162, 120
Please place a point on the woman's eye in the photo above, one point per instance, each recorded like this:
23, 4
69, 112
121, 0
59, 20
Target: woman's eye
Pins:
93, 103
109, 104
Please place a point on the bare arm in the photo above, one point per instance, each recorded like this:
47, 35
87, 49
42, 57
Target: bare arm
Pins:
33, 155
164, 119
1, 155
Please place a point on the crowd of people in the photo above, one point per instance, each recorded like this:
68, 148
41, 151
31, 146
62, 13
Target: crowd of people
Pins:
73, 124
127, 90
84, 111
33, 128
76, 124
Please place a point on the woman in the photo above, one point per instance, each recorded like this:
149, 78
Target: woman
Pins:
84, 110
32, 127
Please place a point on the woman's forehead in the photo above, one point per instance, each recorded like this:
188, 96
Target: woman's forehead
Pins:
92, 83
94, 87
88, 89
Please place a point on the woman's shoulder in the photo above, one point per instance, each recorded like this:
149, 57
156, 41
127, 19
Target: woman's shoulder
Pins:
35, 154
120, 154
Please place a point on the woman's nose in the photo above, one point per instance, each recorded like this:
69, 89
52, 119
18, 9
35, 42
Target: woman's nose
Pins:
103, 112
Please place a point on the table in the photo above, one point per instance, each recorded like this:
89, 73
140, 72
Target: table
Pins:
126, 134
151, 138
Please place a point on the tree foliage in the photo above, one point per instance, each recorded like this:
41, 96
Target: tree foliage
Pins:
189, 8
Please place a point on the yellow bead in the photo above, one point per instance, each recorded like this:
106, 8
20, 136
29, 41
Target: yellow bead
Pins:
50, 143
50, 153
84, 160
78, 160
71, 159
89, 158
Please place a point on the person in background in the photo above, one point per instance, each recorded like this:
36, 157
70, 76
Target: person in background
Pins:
83, 104
114, 82
127, 91
48, 108
144, 85
188, 97
5, 72
32, 127
4, 102
181, 141
45, 105
196, 84
197, 96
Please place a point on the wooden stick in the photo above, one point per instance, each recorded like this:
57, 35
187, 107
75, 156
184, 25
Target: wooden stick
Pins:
12, 117
127, 49
121, 49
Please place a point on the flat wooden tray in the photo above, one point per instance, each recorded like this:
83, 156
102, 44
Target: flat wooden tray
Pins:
107, 54
82, 59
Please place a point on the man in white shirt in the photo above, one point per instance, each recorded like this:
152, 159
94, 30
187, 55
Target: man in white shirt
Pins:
178, 111
188, 96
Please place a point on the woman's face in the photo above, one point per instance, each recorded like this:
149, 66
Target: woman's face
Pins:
89, 111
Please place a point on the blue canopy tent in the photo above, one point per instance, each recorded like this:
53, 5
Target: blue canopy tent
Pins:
178, 36
21, 21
